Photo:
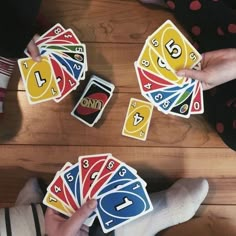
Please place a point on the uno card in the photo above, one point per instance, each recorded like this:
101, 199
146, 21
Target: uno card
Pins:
183, 104
121, 176
71, 178
66, 37
197, 105
73, 67
109, 167
123, 205
172, 46
89, 168
56, 204
103, 83
39, 79
91, 104
65, 81
148, 81
58, 188
52, 32
150, 61
137, 119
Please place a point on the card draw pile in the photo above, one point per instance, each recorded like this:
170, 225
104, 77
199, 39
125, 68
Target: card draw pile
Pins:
165, 52
121, 194
93, 101
63, 64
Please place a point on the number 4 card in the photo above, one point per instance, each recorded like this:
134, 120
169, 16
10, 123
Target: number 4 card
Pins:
137, 119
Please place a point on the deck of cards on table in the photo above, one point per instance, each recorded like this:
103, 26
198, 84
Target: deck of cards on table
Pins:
165, 52
93, 101
121, 194
63, 64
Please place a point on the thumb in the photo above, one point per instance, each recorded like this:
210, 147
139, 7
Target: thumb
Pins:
74, 224
193, 74
33, 49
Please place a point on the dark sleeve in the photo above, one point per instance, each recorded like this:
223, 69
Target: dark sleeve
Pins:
17, 25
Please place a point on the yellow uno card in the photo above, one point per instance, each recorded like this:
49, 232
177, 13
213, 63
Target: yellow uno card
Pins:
137, 119
56, 204
39, 79
150, 61
173, 47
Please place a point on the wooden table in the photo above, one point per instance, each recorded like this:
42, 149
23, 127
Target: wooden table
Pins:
36, 140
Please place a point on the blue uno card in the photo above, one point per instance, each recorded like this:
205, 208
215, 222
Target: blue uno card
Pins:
167, 105
71, 179
122, 176
120, 206
74, 67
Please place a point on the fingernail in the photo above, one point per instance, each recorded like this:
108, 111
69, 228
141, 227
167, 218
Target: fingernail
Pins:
180, 73
38, 59
92, 203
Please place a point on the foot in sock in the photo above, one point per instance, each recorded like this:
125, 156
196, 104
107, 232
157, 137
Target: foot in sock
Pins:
6, 69
171, 207
30, 193
160, 3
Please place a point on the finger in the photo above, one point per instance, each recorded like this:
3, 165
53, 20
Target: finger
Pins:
34, 51
194, 74
50, 211
74, 224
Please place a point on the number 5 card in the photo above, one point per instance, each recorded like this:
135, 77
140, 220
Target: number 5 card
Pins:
137, 119
172, 46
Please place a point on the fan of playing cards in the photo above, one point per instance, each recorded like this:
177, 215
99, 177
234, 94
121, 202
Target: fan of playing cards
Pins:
165, 52
120, 192
63, 64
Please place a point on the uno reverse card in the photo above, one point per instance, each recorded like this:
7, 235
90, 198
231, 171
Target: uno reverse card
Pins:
39, 79
123, 205
152, 62
66, 82
137, 119
109, 167
91, 104
89, 168
56, 204
172, 46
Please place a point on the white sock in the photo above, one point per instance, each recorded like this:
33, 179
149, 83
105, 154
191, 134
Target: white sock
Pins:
171, 207
30, 193
6, 69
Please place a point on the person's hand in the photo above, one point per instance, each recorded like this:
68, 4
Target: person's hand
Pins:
56, 225
218, 67
33, 49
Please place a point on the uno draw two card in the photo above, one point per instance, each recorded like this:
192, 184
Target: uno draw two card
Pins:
166, 51
120, 192
93, 101
137, 119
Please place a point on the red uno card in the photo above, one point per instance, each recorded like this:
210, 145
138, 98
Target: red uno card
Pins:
148, 81
89, 169
109, 167
65, 81
66, 37
197, 105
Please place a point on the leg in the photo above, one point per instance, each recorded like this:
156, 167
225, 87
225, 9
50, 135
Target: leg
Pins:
174, 206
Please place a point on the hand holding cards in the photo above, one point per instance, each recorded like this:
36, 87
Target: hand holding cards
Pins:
165, 52
121, 194
63, 64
